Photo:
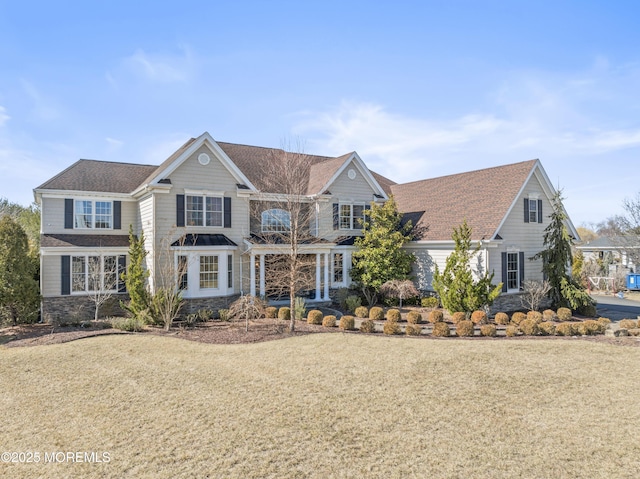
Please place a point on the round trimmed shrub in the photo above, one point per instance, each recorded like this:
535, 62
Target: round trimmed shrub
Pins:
284, 313
479, 317
547, 328
604, 324
430, 302
518, 317
436, 316
329, 321
441, 329
535, 316
391, 327
464, 328
511, 331
565, 329
488, 330
394, 315
549, 315
589, 311
529, 327
634, 332
457, 317
501, 318
413, 317
314, 316
347, 323
361, 312
271, 312
628, 324
589, 327
376, 313
368, 326
564, 314
413, 329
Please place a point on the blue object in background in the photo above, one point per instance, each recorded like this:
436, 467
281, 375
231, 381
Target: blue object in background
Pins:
633, 281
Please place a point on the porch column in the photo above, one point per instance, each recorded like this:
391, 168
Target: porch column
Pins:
252, 274
326, 277
262, 275
317, 276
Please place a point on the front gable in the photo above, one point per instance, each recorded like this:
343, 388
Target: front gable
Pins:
354, 182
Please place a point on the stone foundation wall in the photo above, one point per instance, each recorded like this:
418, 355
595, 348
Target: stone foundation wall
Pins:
512, 302
75, 309
193, 305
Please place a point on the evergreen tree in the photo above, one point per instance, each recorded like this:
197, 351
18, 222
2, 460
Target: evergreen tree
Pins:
19, 292
135, 278
456, 286
380, 257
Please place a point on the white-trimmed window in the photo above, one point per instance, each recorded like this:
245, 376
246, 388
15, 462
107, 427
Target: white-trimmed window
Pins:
351, 216
338, 267
275, 221
229, 271
183, 272
93, 214
208, 272
513, 272
203, 210
94, 273
533, 211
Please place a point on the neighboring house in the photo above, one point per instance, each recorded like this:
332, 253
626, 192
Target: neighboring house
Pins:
619, 253
198, 209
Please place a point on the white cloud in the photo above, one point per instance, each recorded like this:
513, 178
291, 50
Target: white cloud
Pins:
4, 117
160, 68
113, 143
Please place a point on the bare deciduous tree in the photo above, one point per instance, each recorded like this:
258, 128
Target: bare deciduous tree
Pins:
166, 300
102, 275
401, 289
247, 307
534, 293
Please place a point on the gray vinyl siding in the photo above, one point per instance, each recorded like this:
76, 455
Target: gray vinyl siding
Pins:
50, 275
53, 218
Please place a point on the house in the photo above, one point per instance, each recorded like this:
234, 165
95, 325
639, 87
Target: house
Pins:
206, 212
619, 254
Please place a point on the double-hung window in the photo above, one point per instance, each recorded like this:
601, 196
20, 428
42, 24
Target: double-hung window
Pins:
208, 272
533, 211
338, 268
94, 273
93, 214
351, 216
513, 272
203, 211
275, 221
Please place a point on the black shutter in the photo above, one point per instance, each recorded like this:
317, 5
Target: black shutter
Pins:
539, 211
504, 272
227, 212
526, 210
68, 213
122, 268
336, 218
179, 210
521, 267
65, 276
117, 215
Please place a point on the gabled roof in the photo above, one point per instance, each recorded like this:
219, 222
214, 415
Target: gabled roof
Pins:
610, 243
482, 197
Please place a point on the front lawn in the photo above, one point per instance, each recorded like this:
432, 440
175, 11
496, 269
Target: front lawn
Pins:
323, 405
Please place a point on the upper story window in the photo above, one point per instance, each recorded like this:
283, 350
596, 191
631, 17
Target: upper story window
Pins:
351, 216
275, 221
93, 214
533, 211
203, 210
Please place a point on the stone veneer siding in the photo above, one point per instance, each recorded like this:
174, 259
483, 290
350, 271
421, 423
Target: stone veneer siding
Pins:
193, 305
73, 309
513, 302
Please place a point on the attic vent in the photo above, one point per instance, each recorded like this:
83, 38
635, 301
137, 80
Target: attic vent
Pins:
203, 159
165, 181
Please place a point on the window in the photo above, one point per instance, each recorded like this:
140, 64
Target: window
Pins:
93, 214
338, 268
208, 272
275, 221
513, 273
183, 273
533, 211
94, 273
230, 271
351, 216
203, 211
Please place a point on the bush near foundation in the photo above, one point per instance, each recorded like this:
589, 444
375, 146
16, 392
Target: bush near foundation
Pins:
413, 329
464, 328
430, 302
501, 319
535, 316
393, 315
457, 317
347, 323
413, 317
565, 329
284, 313
376, 313
628, 324
368, 326
361, 312
271, 312
518, 317
529, 327
441, 329
391, 327
314, 316
604, 323
511, 331
488, 330
479, 317
549, 315
564, 314
329, 321
547, 328
435, 316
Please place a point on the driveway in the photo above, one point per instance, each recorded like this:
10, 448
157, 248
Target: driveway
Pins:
615, 308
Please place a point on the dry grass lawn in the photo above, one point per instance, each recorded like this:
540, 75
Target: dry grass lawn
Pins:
334, 405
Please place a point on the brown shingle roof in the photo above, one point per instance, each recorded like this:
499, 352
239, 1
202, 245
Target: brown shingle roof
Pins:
88, 241
482, 197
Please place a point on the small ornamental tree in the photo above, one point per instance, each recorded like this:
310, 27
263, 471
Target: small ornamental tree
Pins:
135, 278
456, 286
557, 258
380, 257
399, 288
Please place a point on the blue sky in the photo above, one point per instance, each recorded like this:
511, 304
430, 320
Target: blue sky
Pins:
419, 89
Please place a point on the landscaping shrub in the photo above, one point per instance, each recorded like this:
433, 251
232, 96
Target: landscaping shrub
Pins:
529, 327
488, 330
361, 312
394, 315
413, 329
564, 314
205, 314
588, 310
589, 327
314, 316
271, 312
300, 306
329, 321
368, 326
634, 332
223, 314
440, 329
565, 329
376, 313
430, 302
628, 324
547, 328
464, 328
347, 323
391, 327
535, 316
352, 302
457, 317
479, 317
518, 317
501, 318
549, 315
604, 324
413, 317
341, 297
127, 324
284, 313
436, 316
511, 330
